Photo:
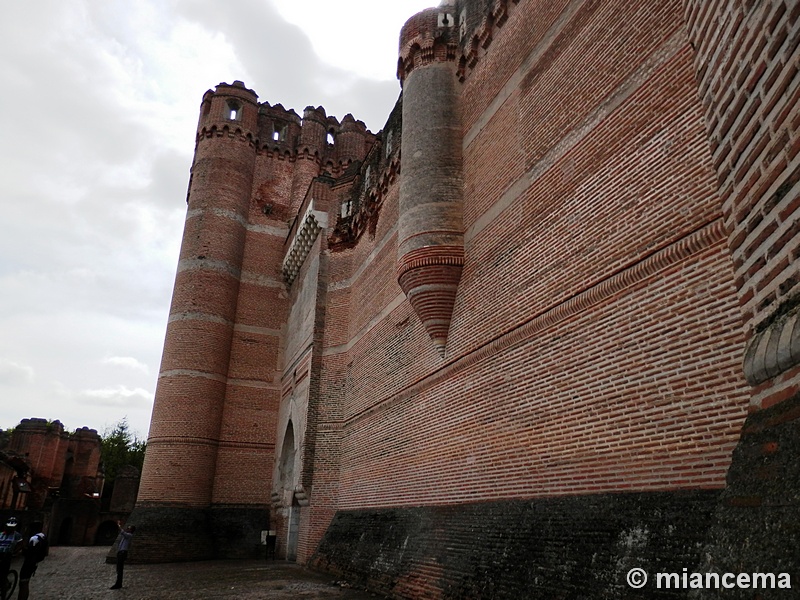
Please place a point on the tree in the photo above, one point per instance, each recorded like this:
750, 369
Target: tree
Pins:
120, 447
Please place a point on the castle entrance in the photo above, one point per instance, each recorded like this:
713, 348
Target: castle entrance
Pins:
287, 478
292, 535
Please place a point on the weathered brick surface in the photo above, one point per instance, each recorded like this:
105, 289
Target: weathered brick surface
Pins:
69, 462
755, 528
213, 434
568, 547
530, 419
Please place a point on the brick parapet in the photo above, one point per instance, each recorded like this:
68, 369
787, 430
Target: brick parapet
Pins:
361, 200
429, 36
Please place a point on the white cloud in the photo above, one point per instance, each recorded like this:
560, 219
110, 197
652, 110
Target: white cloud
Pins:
127, 362
368, 46
12, 372
99, 124
117, 397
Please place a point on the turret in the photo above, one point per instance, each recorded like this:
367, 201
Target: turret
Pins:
178, 472
430, 234
351, 140
232, 106
314, 133
311, 149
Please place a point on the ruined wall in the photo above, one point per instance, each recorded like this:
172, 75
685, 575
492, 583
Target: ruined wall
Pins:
65, 476
62, 464
45, 446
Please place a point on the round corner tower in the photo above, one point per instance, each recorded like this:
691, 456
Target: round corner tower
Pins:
178, 473
431, 234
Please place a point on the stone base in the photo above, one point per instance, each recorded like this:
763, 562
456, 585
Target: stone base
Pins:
756, 526
174, 534
568, 547
236, 530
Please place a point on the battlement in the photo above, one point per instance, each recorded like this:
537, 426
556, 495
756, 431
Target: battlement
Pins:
234, 109
430, 35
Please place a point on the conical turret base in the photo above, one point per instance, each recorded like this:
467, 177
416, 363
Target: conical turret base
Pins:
431, 290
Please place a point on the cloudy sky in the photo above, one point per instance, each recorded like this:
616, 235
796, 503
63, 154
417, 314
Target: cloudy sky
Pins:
98, 109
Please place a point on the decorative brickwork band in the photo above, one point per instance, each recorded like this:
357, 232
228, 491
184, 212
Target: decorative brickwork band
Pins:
429, 277
774, 350
430, 256
663, 258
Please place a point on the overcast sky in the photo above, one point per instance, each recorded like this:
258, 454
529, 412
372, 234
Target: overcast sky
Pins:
99, 106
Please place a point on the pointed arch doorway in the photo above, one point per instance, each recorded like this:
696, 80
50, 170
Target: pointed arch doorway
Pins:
287, 478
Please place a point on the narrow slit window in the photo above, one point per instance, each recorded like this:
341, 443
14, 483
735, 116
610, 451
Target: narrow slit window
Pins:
234, 111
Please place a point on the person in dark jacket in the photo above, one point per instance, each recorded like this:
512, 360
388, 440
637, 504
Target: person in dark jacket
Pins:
10, 544
35, 552
126, 535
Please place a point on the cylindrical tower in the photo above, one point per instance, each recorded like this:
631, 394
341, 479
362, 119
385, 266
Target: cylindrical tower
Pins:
314, 130
310, 150
351, 140
431, 233
178, 472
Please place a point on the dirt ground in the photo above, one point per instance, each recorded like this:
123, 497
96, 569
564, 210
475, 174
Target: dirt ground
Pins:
82, 574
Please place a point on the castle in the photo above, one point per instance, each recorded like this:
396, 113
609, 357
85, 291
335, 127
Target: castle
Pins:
539, 330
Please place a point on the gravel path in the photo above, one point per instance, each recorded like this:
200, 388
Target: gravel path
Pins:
81, 573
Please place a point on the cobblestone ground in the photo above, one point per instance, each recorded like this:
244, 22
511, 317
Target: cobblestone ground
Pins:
82, 574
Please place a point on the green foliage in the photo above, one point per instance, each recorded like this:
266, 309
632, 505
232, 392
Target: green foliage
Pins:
119, 447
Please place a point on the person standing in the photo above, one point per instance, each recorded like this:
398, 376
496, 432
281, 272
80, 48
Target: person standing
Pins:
126, 535
35, 552
10, 544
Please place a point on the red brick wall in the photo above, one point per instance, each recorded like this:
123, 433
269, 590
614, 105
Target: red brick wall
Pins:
57, 459
584, 353
747, 65
247, 436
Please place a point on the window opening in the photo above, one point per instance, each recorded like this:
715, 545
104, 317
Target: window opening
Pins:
234, 111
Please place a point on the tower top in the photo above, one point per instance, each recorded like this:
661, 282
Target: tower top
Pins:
429, 36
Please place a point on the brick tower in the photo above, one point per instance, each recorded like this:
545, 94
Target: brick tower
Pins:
207, 477
184, 442
431, 236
